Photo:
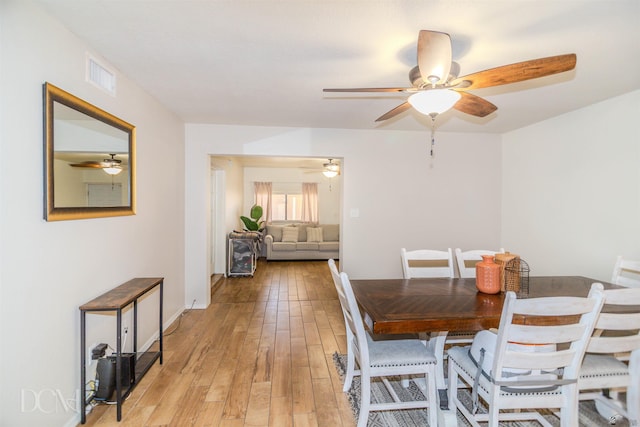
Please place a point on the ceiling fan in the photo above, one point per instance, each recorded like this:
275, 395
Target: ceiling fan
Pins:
111, 166
329, 169
435, 86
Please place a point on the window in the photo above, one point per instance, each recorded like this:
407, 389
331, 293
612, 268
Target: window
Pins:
286, 207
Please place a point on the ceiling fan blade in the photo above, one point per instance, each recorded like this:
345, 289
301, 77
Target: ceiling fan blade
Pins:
87, 164
474, 105
434, 56
369, 89
392, 113
519, 71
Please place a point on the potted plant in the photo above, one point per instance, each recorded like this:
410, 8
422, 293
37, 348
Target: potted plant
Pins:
253, 223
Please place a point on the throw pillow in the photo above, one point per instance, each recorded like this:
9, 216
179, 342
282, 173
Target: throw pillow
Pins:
290, 234
314, 234
275, 231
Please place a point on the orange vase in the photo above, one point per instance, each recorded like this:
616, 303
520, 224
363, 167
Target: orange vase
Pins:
488, 275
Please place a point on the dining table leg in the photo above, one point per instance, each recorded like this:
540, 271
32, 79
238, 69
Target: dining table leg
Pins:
446, 416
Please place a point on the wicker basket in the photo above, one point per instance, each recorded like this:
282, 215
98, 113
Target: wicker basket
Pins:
516, 276
502, 259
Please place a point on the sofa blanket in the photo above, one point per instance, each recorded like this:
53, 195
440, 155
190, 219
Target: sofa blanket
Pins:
302, 241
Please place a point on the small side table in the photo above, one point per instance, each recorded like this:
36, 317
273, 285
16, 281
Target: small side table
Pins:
115, 300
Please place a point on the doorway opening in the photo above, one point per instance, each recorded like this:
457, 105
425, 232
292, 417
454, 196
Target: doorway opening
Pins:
232, 192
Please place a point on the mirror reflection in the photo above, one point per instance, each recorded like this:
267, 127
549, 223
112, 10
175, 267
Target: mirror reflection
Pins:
89, 159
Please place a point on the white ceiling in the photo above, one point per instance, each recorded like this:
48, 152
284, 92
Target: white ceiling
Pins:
266, 62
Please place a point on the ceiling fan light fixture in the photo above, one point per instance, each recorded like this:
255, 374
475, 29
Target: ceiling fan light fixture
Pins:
112, 165
434, 101
329, 173
113, 170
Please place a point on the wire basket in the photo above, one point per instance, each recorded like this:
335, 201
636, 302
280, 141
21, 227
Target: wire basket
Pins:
516, 276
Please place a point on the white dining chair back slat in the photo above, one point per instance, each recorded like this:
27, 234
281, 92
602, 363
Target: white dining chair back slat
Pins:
626, 273
426, 263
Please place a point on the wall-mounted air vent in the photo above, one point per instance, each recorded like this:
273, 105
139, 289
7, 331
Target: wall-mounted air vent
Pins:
101, 76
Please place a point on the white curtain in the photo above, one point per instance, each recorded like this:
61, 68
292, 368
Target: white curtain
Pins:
310, 202
263, 198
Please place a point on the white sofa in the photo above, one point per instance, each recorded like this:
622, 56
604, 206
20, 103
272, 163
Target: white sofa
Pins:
300, 244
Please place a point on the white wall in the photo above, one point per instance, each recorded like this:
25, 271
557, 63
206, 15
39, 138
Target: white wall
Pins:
48, 269
403, 197
571, 190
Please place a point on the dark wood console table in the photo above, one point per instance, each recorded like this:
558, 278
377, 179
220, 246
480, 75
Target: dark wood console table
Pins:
116, 300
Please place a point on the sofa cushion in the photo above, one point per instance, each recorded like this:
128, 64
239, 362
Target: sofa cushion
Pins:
328, 246
331, 233
284, 246
275, 231
307, 246
289, 234
314, 234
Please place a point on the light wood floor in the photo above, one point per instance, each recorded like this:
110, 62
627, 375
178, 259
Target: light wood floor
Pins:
259, 355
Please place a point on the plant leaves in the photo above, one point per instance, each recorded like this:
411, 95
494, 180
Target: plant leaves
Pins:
256, 212
249, 224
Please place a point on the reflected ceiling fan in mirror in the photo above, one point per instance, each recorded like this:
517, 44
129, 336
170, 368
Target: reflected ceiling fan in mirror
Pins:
436, 88
111, 166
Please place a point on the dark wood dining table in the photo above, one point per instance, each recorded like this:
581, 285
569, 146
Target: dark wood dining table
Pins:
443, 305
400, 306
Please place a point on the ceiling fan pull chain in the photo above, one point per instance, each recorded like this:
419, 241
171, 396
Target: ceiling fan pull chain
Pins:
433, 133
433, 141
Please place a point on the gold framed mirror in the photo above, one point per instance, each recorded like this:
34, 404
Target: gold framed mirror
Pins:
89, 159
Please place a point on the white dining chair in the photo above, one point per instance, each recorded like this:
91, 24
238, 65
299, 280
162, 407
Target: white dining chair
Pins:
626, 273
602, 370
385, 358
431, 263
545, 379
351, 371
467, 260
426, 263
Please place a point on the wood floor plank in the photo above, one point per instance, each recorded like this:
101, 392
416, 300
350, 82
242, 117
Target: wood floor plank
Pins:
281, 379
311, 333
305, 420
264, 364
259, 403
299, 354
189, 406
238, 397
317, 362
326, 407
280, 412
162, 415
210, 414
259, 355
328, 340
209, 367
222, 380
302, 390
